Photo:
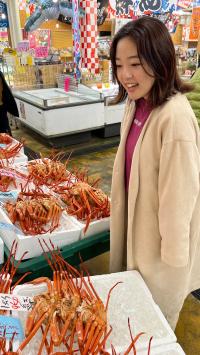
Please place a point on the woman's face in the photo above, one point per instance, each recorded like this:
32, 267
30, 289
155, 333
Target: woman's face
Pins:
130, 71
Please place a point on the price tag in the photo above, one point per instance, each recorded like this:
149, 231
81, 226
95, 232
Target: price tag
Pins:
15, 303
10, 326
11, 195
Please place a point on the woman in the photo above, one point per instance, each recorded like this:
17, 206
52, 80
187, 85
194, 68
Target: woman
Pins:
7, 104
155, 210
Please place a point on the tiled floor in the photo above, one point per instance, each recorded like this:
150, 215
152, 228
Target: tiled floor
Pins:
99, 164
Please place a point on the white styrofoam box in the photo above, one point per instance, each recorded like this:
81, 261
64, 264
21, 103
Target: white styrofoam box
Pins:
19, 158
14, 142
66, 233
95, 227
171, 349
20, 181
130, 299
1, 251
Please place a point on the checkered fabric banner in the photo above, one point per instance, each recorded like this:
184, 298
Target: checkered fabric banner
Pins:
88, 26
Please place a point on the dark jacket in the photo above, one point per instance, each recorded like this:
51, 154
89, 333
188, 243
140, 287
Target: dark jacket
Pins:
8, 98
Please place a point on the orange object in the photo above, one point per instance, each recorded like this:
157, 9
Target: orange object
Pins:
99, 85
195, 24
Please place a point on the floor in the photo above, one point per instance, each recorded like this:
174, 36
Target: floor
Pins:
97, 157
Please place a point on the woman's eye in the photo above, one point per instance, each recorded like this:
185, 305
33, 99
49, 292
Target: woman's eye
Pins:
118, 66
135, 64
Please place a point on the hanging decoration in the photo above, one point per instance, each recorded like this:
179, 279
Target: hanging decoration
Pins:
89, 35
195, 22
76, 37
48, 10
102, 11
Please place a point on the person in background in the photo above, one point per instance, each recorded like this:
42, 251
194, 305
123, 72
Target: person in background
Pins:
7, 104
155, 194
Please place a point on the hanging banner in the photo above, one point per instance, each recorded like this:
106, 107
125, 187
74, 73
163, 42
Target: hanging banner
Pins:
121, 9
76, 35
131, 8
89, 34
195, 24
40, 37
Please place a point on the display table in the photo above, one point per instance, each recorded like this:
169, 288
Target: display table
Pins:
88, 248
129, 299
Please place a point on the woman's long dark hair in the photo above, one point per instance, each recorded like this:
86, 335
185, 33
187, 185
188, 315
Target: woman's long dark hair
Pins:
155, 46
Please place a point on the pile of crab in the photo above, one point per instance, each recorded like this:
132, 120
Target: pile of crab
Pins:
9, 147
83, 198
69, 317
68, 191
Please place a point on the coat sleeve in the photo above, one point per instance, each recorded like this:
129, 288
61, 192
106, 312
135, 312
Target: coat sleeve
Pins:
178, 191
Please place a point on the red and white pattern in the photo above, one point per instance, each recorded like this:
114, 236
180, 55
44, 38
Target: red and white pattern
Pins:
88, 26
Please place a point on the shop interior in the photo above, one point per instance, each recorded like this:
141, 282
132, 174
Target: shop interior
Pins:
63, 100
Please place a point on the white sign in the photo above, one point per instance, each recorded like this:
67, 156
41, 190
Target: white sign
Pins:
15, 303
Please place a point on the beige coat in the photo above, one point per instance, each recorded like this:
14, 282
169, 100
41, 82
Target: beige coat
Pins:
156, 230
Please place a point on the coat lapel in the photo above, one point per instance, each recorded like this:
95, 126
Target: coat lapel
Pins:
118, 196
132, 196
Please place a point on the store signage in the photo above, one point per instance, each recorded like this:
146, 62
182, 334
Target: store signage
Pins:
3, 15
184, 4
10, 302
4, 34
76, 35
40, 38
132, 8
23, 46
41, 52
11, 328
195, 24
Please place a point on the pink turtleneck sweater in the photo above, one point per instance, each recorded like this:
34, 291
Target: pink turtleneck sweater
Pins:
142, 112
